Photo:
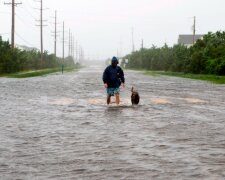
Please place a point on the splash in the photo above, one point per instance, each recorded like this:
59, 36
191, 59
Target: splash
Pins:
61, 101
161, 101
193, 100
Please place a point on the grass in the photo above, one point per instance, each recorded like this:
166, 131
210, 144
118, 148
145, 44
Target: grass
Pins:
211, 78
34, 73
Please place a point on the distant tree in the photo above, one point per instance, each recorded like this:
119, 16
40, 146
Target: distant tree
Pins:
14, 60
206, 56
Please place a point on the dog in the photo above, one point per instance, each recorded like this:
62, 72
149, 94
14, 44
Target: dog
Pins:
135, 98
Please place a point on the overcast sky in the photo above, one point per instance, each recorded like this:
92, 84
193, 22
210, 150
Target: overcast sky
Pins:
103, 27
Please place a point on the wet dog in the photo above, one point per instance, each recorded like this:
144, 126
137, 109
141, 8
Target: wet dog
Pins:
135, 98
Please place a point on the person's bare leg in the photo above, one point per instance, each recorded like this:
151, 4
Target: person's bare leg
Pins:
117, 99
108, 99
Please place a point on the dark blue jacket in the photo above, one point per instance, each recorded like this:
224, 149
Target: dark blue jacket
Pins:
113, 76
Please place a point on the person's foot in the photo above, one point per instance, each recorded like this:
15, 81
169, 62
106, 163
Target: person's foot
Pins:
108, 99
117, 99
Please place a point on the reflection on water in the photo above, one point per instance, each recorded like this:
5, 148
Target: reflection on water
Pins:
59, 127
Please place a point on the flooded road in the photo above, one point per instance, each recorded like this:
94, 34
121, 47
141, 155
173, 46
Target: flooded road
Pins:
58, 127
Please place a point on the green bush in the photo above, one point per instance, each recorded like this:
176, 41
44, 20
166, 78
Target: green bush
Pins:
207, 56
15, 60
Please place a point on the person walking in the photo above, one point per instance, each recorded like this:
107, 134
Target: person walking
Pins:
113, 78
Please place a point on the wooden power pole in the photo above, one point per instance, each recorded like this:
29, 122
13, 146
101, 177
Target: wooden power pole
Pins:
74, 48
194, 30
13, 3
55, 34
77, 52
63, 47
69, 44
41, 30
133, 47
73, 45
55, 42
63, 42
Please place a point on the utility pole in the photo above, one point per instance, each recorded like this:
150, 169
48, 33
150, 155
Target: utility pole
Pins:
77, 51
63, 50
81, 54
142, 44
133, 48
13, 3
73, 49
69, 45
194, 30
55, 35
63, 42
41, 30
121, 48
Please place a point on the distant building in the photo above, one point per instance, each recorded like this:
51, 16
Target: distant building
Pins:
26, 48
187, 39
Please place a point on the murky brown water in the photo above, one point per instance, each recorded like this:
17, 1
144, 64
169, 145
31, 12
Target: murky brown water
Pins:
58, 127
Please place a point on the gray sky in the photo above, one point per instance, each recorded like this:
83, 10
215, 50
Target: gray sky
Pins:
103, 27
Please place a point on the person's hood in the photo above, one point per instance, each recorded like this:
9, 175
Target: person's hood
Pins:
115, 60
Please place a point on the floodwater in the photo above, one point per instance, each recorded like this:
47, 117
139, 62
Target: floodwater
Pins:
59, 127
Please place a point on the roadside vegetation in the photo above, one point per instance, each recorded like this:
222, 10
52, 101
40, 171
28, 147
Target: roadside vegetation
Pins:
34, 73
201, 61
19, 63
204, 77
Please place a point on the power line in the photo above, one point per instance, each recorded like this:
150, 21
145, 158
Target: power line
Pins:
4, 12
24, 40
25, 23
31, 26
30, 6
30, 14
4, 33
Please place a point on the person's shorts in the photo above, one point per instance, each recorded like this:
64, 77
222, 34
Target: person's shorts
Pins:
113, 91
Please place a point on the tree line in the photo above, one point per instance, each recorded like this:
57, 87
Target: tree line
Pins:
206, 56
15, 60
